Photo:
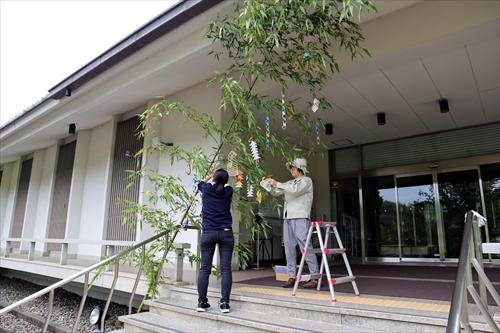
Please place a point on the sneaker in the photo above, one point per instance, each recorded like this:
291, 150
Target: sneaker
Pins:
224, 307
203, 306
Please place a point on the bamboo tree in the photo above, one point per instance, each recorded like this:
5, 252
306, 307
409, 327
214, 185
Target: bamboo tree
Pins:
281, 43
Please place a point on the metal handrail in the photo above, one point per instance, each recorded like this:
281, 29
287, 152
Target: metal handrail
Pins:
50, 289
470, 254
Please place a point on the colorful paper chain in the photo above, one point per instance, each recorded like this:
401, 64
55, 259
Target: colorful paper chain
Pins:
318, 132
268, 131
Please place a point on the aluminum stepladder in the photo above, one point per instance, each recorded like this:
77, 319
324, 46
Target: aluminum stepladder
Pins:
325, 251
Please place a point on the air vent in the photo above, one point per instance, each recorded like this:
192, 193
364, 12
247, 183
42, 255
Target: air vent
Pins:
343, 142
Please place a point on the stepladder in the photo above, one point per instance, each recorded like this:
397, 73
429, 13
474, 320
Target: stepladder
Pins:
325, 250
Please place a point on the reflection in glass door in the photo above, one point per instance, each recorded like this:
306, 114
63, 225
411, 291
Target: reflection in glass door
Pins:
417, 217
458, 192
381, 228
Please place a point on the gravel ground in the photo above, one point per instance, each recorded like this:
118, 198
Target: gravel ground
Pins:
65, 310
11, 324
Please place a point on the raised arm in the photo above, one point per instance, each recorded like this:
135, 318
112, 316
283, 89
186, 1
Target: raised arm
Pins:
297, 188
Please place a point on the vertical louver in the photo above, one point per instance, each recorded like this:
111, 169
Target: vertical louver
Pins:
62, 187
127, 144
22, 195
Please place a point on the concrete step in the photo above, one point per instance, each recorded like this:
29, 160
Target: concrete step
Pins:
153, 322
338, 314
238, 320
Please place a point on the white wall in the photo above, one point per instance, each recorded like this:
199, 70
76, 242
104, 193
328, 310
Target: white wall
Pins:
186, 134
95, 188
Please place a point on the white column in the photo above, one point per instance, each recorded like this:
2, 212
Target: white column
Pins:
32, 198
95, 195
46, 193
77, 187
8, 199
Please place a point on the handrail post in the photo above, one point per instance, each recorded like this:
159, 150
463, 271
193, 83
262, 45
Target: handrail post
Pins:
49, 314
31, 253
479, 258
8, 247
459, 288
179, 260
138, 276
64, 254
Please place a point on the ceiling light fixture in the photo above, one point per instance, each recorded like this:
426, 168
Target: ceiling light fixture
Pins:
328, 128
443, 105
381, 118
72, 129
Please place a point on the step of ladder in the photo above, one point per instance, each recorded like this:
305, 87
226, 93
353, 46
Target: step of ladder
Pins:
330, 227
323, 224
307, 277
326, 251
343, 279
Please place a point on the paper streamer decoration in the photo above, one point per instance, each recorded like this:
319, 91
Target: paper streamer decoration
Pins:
232, 164
255, 151
249, 189
284, 118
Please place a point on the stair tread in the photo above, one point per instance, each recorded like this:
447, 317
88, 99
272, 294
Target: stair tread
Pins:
154, 322
251, 318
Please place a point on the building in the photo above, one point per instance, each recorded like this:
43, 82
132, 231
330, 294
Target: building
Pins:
401, 171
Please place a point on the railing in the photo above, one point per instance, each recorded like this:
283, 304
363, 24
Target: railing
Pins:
109, 246
471, 253
86, 273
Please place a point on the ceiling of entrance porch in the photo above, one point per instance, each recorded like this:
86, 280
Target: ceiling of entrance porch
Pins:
463, 67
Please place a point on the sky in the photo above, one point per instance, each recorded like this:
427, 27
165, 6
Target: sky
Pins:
43, 42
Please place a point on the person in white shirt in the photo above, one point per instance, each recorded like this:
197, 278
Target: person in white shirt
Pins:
298, 194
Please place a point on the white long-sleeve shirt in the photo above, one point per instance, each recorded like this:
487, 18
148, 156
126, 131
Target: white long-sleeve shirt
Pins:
298, 197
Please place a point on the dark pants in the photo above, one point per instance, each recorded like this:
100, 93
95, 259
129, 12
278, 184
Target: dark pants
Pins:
225, 239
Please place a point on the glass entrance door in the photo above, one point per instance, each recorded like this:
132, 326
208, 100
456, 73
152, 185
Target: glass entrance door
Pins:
459, 192
417, 216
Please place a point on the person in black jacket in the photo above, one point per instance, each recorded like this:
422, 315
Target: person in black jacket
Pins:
216, 229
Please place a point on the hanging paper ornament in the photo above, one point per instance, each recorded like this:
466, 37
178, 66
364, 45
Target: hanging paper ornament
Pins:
232, 164
258, 198
250, 191
284, 118
268, 131
315, 105
240, 179
318, 132
195, 184
255, 151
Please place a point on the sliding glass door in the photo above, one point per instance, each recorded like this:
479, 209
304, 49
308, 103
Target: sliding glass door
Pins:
421, 216
417, 216
459, 192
